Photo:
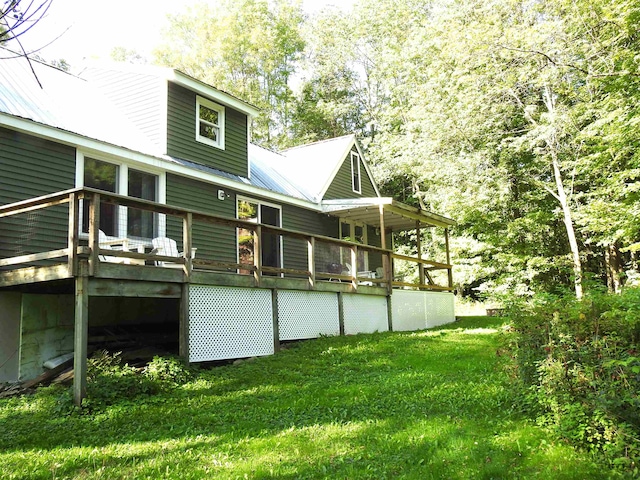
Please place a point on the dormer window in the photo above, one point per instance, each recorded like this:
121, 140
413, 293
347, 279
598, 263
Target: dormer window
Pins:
355, 172
210, 123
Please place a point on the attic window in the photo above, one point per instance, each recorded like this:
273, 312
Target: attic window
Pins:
355, 172
210, 123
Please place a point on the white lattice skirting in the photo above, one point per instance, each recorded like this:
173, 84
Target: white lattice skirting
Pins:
364, 314
414, 310
304, 314
229, 322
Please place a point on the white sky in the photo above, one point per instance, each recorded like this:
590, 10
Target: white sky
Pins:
92, 28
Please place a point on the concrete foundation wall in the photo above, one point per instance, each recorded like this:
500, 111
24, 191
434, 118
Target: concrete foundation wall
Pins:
10, 305
47, 331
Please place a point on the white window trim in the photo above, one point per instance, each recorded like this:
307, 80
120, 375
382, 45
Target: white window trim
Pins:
259, 220
359, 162
122, 186
221, 120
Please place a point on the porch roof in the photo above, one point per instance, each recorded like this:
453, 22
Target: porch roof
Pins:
397, 215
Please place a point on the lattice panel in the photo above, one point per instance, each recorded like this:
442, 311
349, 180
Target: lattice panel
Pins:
440, 307
364, 314
228, 322
307, 314
408, 310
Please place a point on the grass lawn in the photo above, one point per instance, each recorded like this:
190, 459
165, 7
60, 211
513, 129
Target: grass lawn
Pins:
430, 404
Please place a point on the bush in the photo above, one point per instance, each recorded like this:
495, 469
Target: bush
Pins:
581, 360
168, 370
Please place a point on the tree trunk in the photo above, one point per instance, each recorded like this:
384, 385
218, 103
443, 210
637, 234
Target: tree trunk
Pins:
561, 195
613, 267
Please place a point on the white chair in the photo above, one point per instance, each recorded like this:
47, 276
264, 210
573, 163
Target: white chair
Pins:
167, 247
105, 243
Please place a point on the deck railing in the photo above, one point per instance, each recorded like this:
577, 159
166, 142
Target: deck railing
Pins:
70, 220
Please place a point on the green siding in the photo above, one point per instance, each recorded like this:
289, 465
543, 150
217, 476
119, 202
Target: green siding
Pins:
214, 242
219, 243
341, 186
181, 133
31, 167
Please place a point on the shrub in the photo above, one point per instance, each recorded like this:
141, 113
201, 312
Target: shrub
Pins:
581, 360
168, 370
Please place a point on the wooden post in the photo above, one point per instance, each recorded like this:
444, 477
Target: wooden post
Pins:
74, 215
449, 270
387, 261
183, 334
187, 239
276, 320
389, 313
257, 254
341, 312
354, 266
81, 333
311, 248
94, 231
419, 242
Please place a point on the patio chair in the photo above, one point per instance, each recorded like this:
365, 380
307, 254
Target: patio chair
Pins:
106, 243
167, 247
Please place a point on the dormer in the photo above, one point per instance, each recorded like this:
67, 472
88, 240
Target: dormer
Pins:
181, 116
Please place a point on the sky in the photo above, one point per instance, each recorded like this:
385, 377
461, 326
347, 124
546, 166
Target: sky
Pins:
79, 29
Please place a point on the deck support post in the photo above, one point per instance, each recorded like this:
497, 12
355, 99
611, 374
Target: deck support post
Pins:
389, 313
341, 312
81, 333
276, 320
183, 335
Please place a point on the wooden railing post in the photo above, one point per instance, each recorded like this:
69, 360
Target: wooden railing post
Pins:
354, 266
92, 202
419, 246
72, 246
449, 270
187, 239
257, 254
311, 248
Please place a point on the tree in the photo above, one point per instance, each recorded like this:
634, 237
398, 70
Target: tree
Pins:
248, 48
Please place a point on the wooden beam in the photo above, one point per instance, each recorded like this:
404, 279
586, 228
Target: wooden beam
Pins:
311, 259
72, 245
93, 204
81, 333
30, 275
187, 239
257, 254
419, 242
100, 287
183, 336
341, 312
34, 257
276, 320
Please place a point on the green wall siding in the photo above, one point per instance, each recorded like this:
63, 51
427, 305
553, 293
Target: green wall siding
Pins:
341, 186
214, 242
181, 132
30, 167
218, 242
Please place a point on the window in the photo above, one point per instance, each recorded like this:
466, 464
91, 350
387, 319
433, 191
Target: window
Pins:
257, 212
357, 233
355, 172
119, 221
209, 122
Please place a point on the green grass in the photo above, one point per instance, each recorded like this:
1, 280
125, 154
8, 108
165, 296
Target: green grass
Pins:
431, 404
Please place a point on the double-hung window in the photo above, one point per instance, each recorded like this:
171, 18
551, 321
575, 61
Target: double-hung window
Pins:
355, 172
209, 122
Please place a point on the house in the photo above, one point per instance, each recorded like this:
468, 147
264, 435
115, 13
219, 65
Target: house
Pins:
133, 201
